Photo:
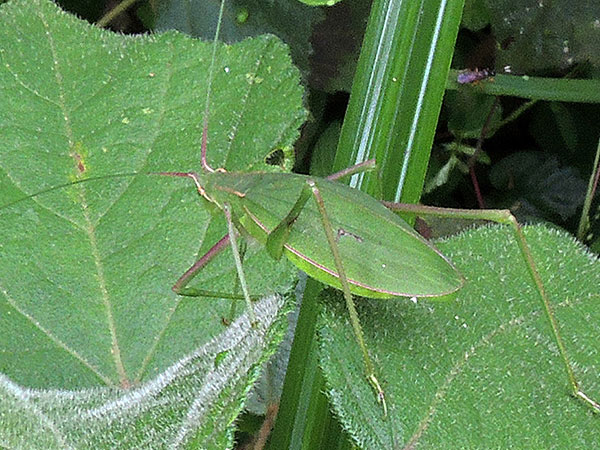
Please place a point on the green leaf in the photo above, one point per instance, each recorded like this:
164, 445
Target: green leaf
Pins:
85, 298
468, 112
482, 367
398, 85
475, 15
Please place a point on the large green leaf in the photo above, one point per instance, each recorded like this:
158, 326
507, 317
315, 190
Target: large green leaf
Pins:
536, 35
480, 369
85, 278
191, 404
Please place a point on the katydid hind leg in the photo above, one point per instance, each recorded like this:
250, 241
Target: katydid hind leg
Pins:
505, 217
354, 320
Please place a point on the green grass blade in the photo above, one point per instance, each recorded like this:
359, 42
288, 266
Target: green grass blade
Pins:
304, 418
392, 116
397, 93
535, 88
400, 32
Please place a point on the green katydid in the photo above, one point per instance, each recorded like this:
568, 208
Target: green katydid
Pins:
330, 239
276, 210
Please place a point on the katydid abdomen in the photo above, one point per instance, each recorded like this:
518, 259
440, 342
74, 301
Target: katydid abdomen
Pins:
382, 255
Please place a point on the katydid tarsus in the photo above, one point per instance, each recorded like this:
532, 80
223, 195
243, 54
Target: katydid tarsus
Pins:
341, 237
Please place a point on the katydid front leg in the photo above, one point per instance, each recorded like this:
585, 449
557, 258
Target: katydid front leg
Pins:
238, 263
180, 285
505, 217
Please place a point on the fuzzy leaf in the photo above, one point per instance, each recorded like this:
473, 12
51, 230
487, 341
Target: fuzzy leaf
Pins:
482, 367
189, 405
539, 186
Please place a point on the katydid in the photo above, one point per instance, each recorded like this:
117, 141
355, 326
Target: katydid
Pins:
276, 210
341, 237
331, 237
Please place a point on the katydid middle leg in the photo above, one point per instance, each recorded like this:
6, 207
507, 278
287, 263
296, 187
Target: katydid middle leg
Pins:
357, 328
505, 217
275, 243
238, 263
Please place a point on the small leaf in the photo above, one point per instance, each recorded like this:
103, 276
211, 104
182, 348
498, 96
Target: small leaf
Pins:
539, 186
482, 367
475, 15
468, 112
